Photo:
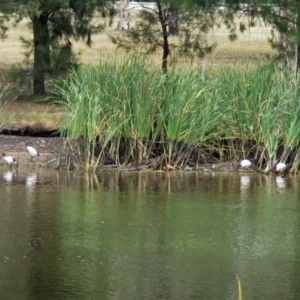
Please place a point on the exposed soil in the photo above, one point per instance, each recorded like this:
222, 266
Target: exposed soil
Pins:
28, 122
36, 130
48, 149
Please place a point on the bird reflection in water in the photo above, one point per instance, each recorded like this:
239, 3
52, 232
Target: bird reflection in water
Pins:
31, 179
280, 182
8, 176
245, 182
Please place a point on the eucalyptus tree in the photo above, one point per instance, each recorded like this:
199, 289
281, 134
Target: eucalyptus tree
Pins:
53, 22
189, 20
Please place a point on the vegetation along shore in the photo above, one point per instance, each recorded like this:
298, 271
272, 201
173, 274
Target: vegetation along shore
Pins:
127, 112
178, 101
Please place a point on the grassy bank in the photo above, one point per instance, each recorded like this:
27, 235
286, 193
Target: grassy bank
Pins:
129, 113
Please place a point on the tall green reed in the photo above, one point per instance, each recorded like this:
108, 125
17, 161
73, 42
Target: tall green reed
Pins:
128, 111
3, 93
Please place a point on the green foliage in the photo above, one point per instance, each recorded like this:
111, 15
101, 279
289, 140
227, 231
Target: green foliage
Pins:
129, 112
189, 21
3, 27
54, 23
3, 93
284, 17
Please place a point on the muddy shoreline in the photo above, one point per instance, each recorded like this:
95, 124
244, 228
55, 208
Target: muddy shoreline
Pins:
52, 155
14, 145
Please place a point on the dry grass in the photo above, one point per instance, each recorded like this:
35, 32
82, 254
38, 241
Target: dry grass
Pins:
32, 114
249, 44
252, 45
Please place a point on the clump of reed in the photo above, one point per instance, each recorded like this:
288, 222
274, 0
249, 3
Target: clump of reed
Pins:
128, 113
3, 93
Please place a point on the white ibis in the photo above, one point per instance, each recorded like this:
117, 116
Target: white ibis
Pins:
9, 159
245, 163
32, 151
280, 167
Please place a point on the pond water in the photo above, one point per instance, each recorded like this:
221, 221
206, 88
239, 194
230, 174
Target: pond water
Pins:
127, 235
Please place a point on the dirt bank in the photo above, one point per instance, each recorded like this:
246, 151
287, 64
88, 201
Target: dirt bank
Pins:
48, 147
30, 117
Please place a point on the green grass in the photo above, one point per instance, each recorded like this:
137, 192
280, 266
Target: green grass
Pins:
3, 93
128, 111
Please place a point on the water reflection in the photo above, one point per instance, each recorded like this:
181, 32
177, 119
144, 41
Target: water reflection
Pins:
245, 182
139, 182
31, 179
280, 182
8, 176
133, 235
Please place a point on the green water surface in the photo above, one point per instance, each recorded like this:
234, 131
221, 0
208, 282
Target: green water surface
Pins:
127, 235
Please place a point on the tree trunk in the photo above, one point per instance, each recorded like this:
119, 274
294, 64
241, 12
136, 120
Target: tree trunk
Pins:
41, 63
166, 49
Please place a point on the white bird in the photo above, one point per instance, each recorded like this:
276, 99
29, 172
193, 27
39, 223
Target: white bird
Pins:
245, 163
32, 151
280, 167
9, 159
